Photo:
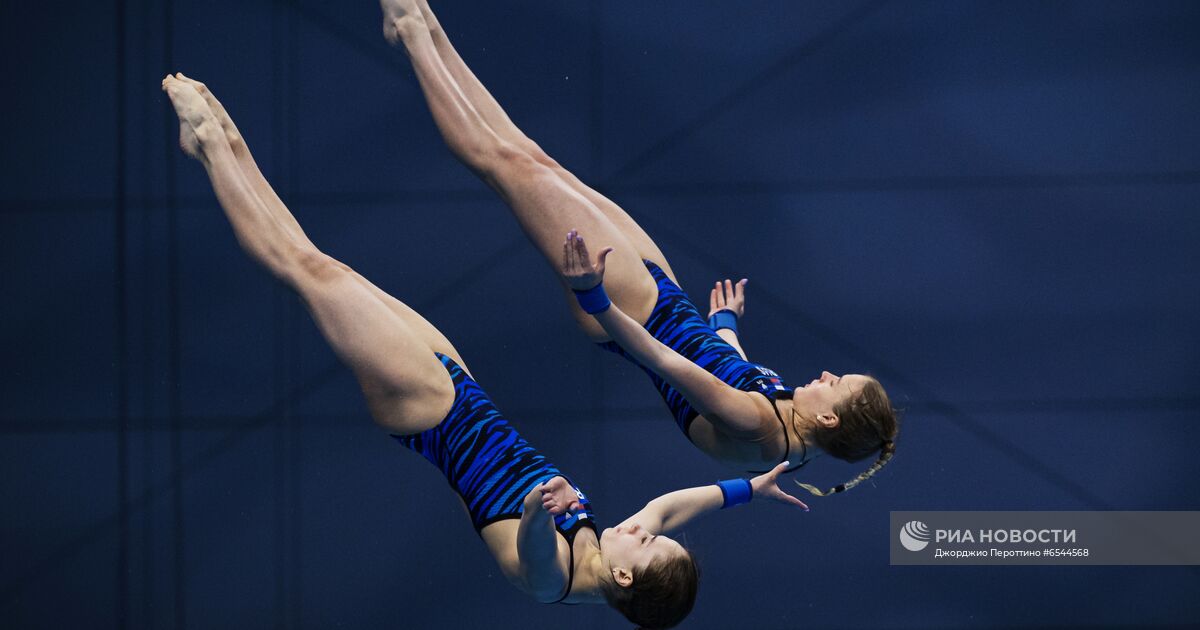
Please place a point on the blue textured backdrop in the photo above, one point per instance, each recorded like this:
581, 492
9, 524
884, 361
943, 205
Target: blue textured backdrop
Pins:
990, 205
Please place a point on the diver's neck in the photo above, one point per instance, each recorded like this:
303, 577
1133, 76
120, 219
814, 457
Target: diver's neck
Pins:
589, 571
801, 445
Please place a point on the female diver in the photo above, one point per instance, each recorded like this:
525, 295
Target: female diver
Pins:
418, 390
736, 411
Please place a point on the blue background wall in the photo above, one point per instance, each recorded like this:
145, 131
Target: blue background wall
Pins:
989, 205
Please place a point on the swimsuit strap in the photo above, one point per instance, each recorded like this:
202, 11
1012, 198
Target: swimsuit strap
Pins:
570, 570
787, 441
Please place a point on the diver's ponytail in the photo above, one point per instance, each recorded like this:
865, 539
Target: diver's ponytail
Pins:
887, 450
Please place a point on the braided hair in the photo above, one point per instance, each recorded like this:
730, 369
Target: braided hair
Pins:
866, 424
887, 449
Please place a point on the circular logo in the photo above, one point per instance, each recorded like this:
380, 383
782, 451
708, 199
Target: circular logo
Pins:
914, 535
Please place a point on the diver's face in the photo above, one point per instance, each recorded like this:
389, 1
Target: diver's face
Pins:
633, 548
825, 393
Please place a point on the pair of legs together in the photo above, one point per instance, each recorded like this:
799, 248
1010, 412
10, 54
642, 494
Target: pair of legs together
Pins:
546, 199
388, 345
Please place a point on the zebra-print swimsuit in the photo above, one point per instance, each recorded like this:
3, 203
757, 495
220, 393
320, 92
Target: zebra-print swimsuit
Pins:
488, 463
677, 323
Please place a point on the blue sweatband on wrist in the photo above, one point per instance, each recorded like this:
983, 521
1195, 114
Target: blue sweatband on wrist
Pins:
735, 491
593, 300
723, 319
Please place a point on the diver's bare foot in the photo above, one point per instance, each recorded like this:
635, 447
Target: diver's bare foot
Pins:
197, 124
236, 142
400, 16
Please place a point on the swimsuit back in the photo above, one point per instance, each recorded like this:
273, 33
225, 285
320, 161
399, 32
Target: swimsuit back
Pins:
486, 461
677, 323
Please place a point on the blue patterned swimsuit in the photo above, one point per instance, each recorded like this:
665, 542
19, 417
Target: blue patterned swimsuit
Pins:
677, 323
488, 463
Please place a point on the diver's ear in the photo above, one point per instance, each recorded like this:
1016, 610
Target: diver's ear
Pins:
623, 577
828, 420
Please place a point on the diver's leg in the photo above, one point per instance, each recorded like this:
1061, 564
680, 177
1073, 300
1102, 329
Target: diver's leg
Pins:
245, 160
406, 387
496, 118
545, 206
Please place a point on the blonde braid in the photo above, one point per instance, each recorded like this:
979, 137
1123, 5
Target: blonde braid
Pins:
887, 450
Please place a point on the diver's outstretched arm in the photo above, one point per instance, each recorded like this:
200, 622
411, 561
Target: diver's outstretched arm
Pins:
673, 510
734, 411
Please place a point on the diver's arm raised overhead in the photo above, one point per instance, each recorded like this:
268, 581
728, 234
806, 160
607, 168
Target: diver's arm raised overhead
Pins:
733, 409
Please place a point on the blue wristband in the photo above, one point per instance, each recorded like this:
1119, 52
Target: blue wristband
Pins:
735, 491
593, 300
723, 319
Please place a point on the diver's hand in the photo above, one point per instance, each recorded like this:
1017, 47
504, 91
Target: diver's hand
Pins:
578, 269
558, 496
766, 486
728, 296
